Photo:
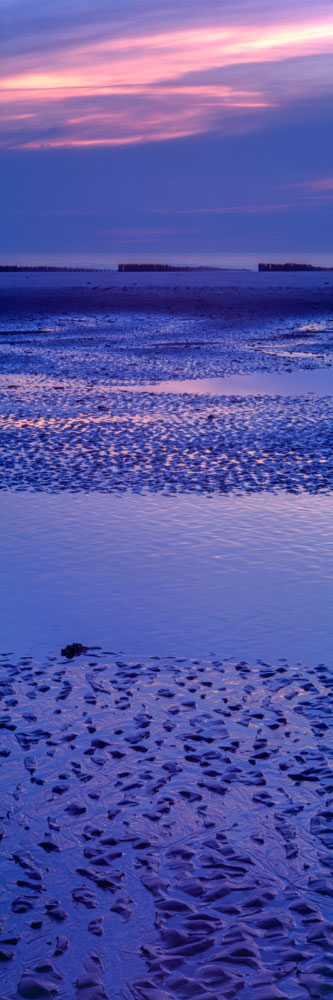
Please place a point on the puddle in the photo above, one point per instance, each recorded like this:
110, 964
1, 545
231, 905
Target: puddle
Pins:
245, 576
297, 383
317, 381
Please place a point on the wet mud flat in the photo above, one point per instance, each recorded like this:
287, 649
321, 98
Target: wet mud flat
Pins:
72, 418
231, 294
114, 441
167, 829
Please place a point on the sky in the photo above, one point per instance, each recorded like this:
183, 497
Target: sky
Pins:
182, 132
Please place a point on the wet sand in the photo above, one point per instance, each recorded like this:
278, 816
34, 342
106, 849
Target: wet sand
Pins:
166, 824
246, 295
166, 829
67, 423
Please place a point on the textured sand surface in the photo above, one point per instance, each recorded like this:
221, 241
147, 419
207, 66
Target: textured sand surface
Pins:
166, 829
66, 421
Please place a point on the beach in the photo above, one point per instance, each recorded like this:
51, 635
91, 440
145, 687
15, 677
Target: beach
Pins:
70, 347
233, 293
166, 502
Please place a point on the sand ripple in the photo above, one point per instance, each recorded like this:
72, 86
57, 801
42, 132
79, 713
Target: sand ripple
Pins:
167, 829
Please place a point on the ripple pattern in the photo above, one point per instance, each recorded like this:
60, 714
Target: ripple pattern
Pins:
166, 829
54, 439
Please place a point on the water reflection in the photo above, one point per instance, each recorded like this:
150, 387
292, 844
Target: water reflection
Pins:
245, 576
297, 383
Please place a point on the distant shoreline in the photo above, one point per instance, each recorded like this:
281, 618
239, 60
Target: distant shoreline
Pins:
144, 268
47, 268
293, 267
172, 267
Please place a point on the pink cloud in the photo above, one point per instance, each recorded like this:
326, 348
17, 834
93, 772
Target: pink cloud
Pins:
236, 209
49, 97
150, 59
317, 186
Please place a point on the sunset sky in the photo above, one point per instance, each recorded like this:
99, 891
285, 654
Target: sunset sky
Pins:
169, 131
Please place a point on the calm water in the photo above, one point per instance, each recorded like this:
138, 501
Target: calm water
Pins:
297, 383
243, 576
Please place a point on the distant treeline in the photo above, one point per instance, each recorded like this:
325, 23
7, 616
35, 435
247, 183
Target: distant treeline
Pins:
43, 267
292, 267
164, 267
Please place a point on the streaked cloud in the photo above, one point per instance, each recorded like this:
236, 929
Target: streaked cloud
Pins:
92, 91
127, 89
165, 56
323, 185
253, 209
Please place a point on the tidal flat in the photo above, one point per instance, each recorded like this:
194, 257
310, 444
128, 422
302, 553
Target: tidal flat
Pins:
166, 812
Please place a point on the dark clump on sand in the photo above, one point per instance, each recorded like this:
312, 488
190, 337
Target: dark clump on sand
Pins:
73, 649
167, 829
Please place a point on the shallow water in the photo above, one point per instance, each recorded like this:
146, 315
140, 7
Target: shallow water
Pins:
299, 383
318, 381
244, 576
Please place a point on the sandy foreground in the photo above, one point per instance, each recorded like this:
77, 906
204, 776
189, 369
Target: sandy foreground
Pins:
166, 829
